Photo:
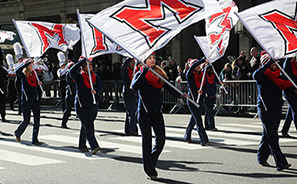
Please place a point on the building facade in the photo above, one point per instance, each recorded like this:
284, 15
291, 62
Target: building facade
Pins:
182, 47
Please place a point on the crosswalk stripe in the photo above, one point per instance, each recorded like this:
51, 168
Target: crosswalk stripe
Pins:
2, 168
168, 143
103, 144
68, 152
24, 159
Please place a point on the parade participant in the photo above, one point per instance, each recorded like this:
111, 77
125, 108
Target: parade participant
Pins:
290, 67
70, 96
29, 100
18, 84
270, 84
61, 73
85, 109
194, 79
129, 96
149, 113
210, 99
11, 90
3, 78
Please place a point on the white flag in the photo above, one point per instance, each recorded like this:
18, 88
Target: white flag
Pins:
38, 37
274, 26
203, 43
6, 35
219, 25
95, 43
143, 26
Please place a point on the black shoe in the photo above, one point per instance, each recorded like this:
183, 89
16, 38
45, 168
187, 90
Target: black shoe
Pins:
3, 120
284, 167
37, 143
265, 164
64, 126
84, 149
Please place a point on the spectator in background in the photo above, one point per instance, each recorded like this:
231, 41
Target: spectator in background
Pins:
255, 59
226, 73
174, 71
239, 69
184, 72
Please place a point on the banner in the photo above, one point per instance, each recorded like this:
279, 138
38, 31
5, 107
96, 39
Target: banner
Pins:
143, 26
203, 43
219, 25
95, 43
6, 35
38, 37
274, 26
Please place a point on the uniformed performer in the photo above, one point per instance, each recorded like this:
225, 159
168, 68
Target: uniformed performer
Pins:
194, 78
61, 73
70, 96
270, 84
30, 100
85, 107
3, 78
149, 113
11, 90
18, 51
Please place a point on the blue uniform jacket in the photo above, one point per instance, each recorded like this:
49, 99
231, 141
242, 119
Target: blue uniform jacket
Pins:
150, 98
71, 85
288, 69
192, 87
126, 79
270, 92
83, 94
29, 93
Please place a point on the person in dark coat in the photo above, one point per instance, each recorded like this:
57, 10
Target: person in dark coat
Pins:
149, 113
30, 100
270, 84
3, 93
130, 97
70, 96
194, 79
85, 106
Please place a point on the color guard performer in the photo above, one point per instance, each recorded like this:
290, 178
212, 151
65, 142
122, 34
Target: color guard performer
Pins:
30, 100
194, 79
85, 109
18, 51
270, 85
3, 78
12, 92
70, 96
149, 113
61, 72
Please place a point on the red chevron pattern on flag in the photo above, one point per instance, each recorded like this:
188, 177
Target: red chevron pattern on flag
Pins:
143, 26
38, 37
95, 43
274, 26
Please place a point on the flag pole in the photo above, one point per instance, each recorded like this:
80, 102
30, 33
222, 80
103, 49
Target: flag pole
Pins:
285, 73
167, 82
207, 57
28, 54
201, 85
84, 46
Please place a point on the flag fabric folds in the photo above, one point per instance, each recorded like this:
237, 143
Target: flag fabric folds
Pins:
274, 26
6, 35
95, 43
143, 26
38, 37
218, 27
203, 43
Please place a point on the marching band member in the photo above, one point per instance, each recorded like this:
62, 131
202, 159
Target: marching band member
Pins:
290, 67
85, 109
149, 113
270, 85
61, 72
70, 96
18, 84
130, 97
194, 78
210, 99
30, 100
3, 78
12, 92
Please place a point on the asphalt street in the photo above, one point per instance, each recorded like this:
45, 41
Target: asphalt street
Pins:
231, 158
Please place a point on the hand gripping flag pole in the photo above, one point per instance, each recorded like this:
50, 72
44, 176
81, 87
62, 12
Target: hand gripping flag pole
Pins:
201, 85
167, 82
28, 54
83, 45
